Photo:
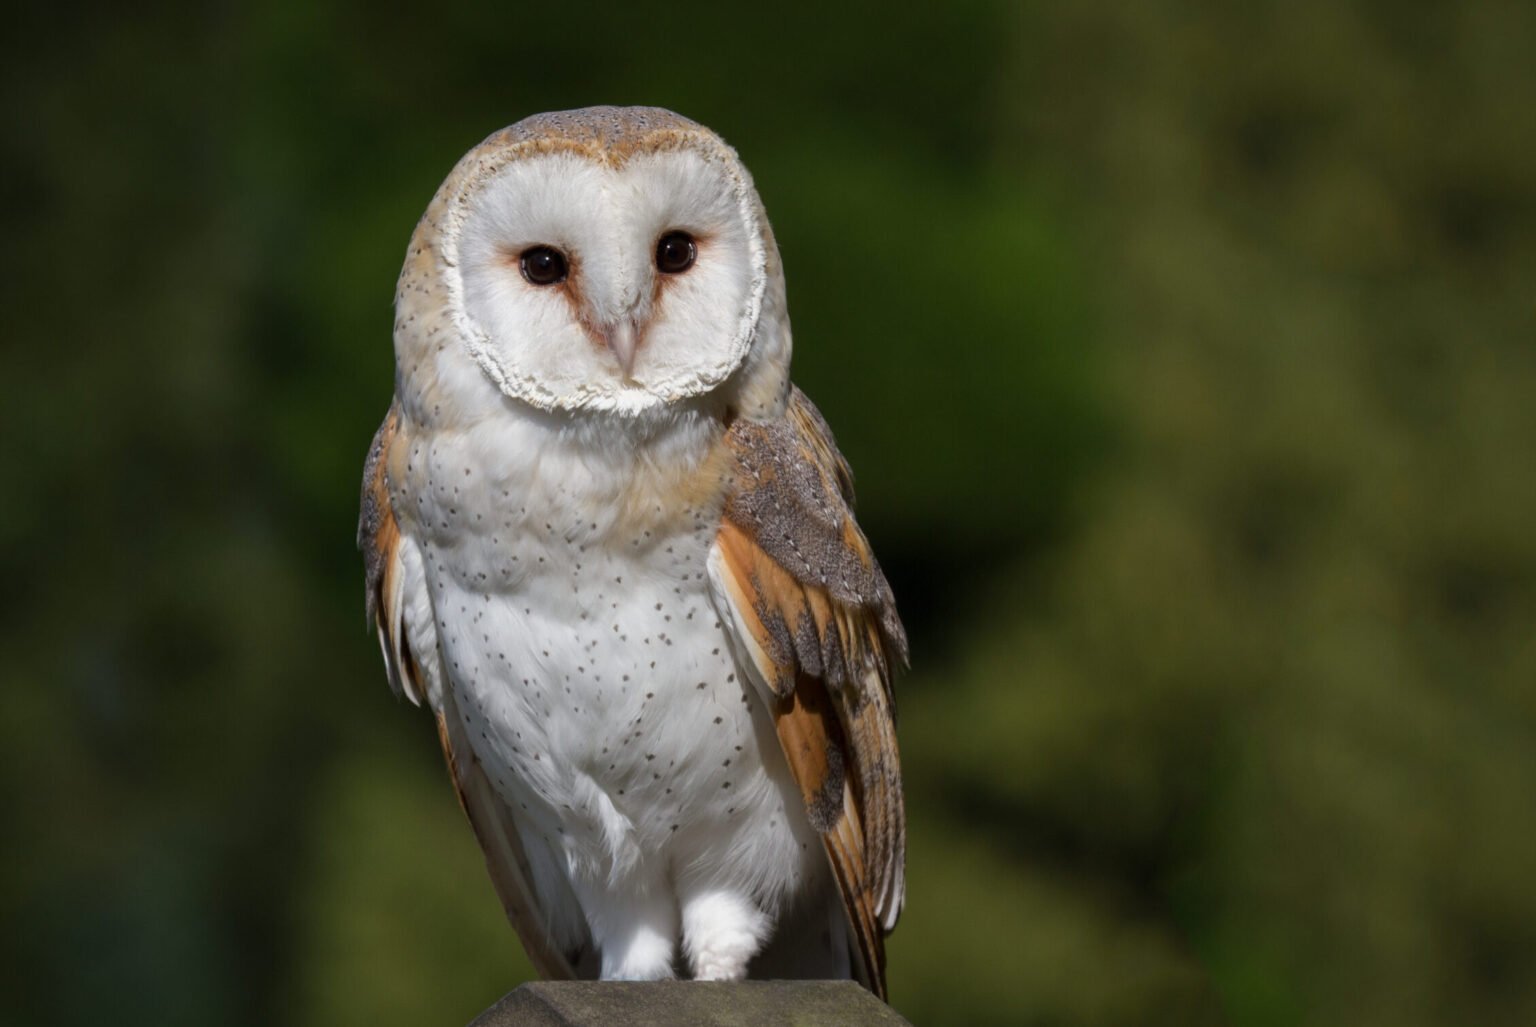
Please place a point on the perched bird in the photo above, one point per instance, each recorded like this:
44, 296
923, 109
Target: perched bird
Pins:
613, 549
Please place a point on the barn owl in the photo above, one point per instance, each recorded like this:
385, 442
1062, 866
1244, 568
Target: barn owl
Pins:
612, 548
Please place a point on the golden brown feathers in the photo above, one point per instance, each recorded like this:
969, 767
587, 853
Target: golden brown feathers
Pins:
820, 624
378, 536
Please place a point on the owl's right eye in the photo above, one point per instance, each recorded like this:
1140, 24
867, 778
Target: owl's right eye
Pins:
543, 265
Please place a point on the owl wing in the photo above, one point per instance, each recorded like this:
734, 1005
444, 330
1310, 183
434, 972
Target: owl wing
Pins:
813, 616
416, 673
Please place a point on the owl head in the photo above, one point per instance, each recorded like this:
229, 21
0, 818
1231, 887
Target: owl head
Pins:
611, 259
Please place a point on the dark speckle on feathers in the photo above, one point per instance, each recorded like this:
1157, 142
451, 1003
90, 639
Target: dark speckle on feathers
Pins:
826, 805
793, 497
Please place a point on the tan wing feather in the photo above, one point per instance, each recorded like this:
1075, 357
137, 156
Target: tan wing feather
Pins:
378, 535
815, 614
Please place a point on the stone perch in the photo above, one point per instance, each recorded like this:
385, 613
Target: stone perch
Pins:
689, 1004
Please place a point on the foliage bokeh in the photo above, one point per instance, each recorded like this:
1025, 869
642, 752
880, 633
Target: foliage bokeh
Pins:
1186, 354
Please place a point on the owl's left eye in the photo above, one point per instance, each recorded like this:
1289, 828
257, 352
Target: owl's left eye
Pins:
675, 253
543, 265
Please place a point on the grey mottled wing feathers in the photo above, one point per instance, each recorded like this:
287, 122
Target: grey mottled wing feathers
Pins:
814, 612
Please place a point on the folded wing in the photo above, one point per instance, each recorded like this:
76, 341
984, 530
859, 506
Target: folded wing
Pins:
812, 613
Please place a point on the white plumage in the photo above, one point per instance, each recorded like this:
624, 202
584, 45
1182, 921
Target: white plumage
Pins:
544, 514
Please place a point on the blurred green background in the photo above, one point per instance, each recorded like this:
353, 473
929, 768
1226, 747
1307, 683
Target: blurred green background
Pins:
1186, 354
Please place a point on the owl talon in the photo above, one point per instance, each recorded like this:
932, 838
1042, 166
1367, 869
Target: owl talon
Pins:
643, 955
722, 932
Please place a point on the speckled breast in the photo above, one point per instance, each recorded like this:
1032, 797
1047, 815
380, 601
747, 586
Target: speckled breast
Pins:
592, 668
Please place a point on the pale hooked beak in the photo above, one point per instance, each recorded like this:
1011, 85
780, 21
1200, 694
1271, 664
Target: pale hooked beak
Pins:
623, 340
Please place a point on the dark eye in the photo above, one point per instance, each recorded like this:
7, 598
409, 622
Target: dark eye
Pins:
543, 265
675, 253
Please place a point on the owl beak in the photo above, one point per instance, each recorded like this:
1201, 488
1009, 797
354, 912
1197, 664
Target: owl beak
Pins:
623, 341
